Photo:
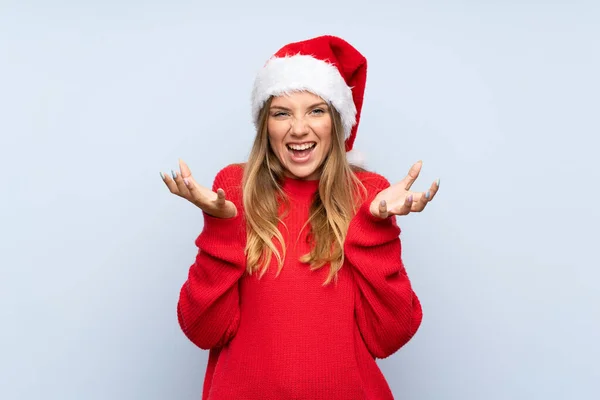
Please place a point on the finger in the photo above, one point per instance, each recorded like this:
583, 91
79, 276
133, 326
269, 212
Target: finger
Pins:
181, 186
383, 211
435, 186
185, 170
406, 206
193, 191
413, 174
170, 183
420, 204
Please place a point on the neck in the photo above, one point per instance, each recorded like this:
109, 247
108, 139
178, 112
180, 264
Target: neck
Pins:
298, 186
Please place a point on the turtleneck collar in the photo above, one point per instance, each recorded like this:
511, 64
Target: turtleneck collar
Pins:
300, 187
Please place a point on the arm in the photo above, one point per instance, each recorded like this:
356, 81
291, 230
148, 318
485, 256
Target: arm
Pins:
208, 308
388, 312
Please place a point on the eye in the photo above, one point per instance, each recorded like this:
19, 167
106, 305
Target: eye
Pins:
279, 114
318, 111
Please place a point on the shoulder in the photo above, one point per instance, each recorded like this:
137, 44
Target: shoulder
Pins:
229, 177
372, 181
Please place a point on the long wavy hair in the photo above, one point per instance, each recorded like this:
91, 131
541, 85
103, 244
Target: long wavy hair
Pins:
332, 208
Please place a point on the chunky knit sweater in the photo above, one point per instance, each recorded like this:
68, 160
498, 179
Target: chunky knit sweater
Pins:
287, 336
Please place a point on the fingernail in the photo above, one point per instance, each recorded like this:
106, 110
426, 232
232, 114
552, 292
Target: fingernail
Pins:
162, 176
410, 198
186, 181
174, 174
438, 182
382, 203
427, 195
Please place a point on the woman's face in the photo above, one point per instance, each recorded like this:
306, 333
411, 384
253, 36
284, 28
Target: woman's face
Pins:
300, 128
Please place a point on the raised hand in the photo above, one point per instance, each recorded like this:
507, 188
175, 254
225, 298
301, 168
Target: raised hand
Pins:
399, 200
183, 185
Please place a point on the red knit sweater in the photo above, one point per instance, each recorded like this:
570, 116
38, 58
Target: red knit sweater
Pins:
288, 336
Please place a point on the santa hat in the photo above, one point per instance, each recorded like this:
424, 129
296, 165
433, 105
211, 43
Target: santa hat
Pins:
327, 66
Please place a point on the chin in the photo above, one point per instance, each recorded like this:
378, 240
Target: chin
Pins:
306, 172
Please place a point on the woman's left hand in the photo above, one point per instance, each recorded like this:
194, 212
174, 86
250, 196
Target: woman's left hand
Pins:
399, 200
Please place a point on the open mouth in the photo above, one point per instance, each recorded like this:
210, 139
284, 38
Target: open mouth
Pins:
301, 152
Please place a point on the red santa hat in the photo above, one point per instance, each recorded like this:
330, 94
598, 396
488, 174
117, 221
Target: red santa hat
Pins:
327, 66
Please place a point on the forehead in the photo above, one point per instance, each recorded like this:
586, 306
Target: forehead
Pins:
300, 98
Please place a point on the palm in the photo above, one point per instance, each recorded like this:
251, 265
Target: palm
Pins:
183, 185
398, 199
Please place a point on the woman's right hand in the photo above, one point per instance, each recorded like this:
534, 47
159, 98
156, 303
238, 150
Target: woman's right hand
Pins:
184, 185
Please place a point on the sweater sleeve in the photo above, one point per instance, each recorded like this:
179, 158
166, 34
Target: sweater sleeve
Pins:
388, 312
208, 309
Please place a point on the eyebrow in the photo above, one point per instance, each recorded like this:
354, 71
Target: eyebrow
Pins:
322, 103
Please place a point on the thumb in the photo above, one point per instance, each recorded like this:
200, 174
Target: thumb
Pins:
220, 197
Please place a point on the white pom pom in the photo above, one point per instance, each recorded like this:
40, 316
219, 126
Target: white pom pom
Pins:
356, 157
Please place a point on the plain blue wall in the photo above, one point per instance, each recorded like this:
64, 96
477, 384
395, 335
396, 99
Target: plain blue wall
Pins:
500, 100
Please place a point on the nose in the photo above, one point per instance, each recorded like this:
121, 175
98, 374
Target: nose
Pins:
299, 127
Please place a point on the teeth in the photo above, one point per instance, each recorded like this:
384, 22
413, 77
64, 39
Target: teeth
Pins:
301, 146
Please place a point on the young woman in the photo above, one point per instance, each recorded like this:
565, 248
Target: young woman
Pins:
298, 285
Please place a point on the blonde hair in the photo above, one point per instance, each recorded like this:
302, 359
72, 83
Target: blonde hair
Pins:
332, 208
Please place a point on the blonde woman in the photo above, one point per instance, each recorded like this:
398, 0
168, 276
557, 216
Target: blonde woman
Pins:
298, 284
